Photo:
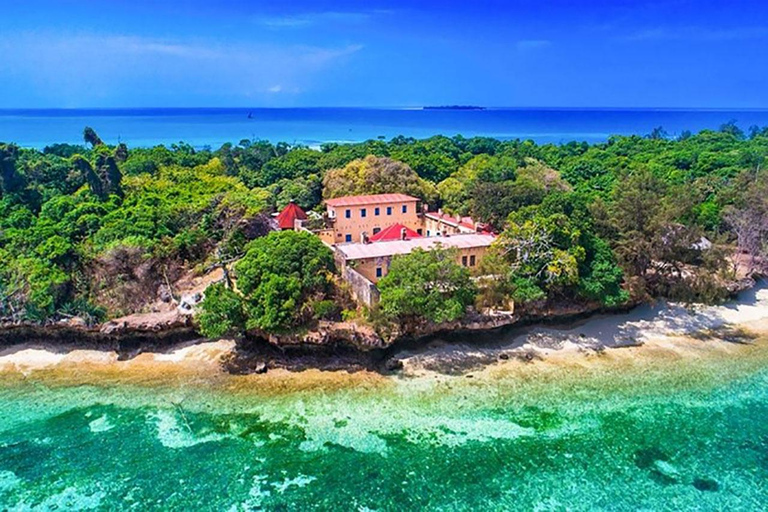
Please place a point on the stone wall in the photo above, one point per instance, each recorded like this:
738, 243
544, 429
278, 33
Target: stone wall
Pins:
363, 290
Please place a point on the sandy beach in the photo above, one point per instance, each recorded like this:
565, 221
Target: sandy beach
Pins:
663, 332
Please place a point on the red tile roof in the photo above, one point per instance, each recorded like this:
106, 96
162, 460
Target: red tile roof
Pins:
286, 218
394, 232
373, 199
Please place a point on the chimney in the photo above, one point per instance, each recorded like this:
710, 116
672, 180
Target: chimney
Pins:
403, 234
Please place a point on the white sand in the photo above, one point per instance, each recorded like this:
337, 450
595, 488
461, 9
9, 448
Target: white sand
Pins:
642, 325
647, 323
25, 360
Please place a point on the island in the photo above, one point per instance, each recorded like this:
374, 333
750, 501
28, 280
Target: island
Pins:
453, 107
361, 247
387, 325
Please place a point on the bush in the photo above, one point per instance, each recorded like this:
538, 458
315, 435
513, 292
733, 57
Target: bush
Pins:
326, 310
221, 312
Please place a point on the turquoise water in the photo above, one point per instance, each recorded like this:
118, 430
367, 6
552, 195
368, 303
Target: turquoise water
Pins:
313, 126
609, 435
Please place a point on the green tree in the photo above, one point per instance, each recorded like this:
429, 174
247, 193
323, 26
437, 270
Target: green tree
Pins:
221, 312
374, 175
10, 179
638, 215
279, 276
305, 192
426, 285
90, 137
299, 162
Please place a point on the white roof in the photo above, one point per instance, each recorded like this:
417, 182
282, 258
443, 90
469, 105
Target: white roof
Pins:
381, 249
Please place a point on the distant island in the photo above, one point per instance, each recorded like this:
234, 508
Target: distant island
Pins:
453, 107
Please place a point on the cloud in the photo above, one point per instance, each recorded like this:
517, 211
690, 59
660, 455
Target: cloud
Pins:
95, 69
697, 34
532, 44
137, 46
319, 18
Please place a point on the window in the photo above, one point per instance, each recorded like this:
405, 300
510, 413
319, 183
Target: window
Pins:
348, 238
420, 231
389, 210
376, 230
378, 272
464, 260
363, 212
405, 208
472, 261
376, 211
348, 214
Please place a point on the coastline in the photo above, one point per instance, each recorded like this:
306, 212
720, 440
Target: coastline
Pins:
664, 332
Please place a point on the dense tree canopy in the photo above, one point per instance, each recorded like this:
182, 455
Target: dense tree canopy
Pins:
278, 279
82, 227
426, 285
376, 175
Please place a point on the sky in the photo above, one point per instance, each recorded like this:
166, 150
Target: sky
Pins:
374, 53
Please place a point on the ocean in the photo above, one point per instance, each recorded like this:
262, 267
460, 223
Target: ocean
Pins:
202, 127
628, 435
678, 424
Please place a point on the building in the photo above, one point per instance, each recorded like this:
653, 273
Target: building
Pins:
287, 218
351, 217
394, 232
372, 260
366, 232
439, 223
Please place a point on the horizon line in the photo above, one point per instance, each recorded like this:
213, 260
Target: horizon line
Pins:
476, 108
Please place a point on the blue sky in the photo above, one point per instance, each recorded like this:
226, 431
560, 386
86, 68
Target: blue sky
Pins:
139, 53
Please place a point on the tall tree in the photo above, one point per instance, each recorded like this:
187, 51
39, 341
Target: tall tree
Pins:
85, 168
375, 175
277, 278
10, 179
637, 216
90, 137
110, 175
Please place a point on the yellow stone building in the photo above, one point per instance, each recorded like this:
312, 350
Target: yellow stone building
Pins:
351, 217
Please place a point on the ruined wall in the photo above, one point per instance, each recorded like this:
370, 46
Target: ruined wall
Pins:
364, 291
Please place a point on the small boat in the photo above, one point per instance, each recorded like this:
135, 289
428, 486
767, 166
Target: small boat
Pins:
250, 115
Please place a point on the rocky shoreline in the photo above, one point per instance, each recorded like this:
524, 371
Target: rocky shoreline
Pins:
326, 346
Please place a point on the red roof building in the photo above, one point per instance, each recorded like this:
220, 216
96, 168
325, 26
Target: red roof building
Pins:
370, 200
394, 232
286, 219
